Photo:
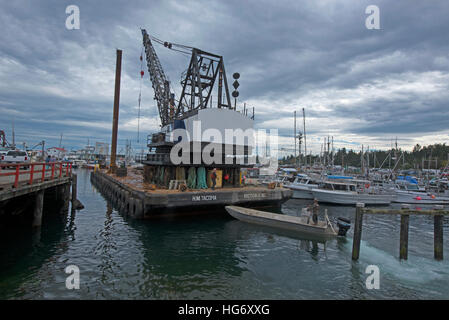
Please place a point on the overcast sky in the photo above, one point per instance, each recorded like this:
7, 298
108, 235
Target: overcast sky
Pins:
357, 85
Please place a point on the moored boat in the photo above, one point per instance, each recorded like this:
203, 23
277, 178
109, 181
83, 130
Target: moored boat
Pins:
411, 193
301, 225
302, 187
348, 193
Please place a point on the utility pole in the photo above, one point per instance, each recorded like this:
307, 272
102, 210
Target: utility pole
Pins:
118, 69
60, 141
43, 150
13, 135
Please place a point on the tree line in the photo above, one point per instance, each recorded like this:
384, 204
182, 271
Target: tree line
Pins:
433, 156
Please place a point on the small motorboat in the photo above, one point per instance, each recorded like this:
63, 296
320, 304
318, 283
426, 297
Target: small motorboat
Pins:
302, 224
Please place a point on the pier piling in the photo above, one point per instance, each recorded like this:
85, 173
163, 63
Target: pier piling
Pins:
74, 191
38, 208
118, 70
403, 238
357, 231
438, 212
438, 236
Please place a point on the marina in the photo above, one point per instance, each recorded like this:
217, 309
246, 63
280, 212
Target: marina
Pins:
223, 258
203, 151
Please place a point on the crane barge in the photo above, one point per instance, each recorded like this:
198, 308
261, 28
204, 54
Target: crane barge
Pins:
189, 145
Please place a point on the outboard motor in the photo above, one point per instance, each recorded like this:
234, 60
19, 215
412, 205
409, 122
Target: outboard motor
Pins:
343, 226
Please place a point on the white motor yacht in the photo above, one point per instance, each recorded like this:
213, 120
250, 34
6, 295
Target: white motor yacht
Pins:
351, 192
302, 187
407, 192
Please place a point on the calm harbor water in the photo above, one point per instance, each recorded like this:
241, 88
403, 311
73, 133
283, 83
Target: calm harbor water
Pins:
212, 257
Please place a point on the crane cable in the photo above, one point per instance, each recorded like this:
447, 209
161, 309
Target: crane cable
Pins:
170, 46
140, 95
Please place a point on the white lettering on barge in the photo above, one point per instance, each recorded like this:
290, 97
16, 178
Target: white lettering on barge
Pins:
204, 198
254, 195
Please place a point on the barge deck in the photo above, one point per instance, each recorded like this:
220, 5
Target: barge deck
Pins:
135, 198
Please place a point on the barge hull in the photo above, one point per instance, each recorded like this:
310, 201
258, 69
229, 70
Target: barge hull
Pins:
149, 204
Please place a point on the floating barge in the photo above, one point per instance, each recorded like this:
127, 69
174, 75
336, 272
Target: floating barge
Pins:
135, 198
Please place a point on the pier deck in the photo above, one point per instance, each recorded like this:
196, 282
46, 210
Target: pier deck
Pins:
23, 184
136, 198
20, 179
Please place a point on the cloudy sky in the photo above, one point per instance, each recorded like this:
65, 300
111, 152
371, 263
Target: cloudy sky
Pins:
360, 86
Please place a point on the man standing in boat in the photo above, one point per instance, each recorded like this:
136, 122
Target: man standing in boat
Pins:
315, 210
312, 210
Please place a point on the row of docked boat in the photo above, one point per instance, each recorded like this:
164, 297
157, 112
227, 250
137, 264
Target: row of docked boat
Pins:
347, 190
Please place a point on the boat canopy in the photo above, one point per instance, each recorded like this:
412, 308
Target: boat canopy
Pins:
339, 177
408, 179
288, 170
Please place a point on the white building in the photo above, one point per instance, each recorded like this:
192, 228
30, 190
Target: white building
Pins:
58, 153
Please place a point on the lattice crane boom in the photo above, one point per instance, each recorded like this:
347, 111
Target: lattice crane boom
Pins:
159, 82
204, 72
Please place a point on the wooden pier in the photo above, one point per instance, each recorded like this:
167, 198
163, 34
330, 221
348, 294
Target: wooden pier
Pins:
25, 183
133, 197
405, 213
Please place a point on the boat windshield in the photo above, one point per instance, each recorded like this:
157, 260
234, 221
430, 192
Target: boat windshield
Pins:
341, 187
328, 186
412, 187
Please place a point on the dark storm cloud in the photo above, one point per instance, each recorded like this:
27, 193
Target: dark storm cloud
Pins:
290, 54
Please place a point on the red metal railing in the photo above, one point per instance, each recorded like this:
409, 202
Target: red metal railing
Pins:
16, 169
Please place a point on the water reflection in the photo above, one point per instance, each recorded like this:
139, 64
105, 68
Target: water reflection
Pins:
23, 251
243, 231
182, 256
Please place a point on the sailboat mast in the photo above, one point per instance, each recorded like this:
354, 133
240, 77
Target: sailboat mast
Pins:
294, 135
305, 139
